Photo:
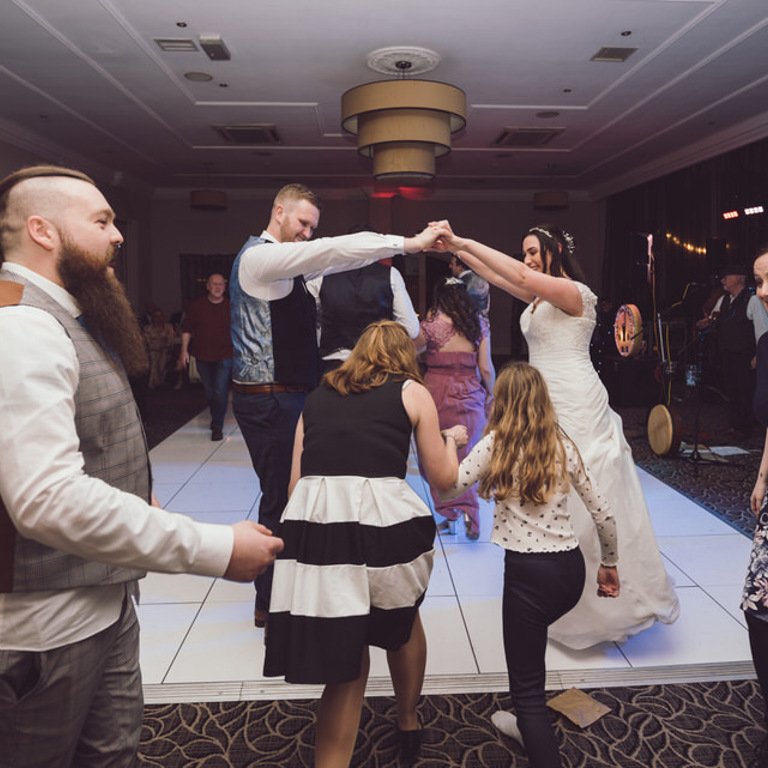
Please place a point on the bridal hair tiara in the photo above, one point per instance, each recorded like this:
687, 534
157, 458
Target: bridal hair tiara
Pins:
453, 281
567, 237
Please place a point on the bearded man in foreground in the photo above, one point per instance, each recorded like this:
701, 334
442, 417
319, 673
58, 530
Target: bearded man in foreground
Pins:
79, 525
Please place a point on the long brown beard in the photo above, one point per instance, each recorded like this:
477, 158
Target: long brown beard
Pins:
106, 310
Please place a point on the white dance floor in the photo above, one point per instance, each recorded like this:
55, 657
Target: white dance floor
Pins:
198, 642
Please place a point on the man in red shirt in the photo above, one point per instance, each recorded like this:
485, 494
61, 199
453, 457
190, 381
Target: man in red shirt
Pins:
205, 334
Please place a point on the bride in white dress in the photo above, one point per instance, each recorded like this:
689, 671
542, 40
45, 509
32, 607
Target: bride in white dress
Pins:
557, 325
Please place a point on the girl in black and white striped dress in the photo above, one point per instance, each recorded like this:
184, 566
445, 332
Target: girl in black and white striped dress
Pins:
359, 542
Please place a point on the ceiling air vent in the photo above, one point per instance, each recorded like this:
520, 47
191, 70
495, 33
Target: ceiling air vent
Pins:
616, 55
248, 133
176, 44
526, 137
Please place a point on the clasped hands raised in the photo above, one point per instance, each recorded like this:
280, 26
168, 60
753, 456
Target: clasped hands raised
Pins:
437, 236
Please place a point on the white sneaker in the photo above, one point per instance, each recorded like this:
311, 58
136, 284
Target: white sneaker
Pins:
506, 722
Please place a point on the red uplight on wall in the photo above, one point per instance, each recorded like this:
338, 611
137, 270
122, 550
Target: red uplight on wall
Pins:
731, 215
415, 193
383, 194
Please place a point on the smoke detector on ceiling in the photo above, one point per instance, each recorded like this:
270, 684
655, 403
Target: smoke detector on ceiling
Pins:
403, 60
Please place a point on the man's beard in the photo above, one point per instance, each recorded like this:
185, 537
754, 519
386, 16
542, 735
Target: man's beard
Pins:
106, 310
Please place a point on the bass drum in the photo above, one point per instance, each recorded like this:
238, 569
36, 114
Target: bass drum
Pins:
665, 429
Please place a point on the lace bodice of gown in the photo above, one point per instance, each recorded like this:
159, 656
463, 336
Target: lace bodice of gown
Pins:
558, 345
548, 329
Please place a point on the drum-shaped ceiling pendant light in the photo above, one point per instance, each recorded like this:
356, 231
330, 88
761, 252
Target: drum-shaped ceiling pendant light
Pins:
404, 125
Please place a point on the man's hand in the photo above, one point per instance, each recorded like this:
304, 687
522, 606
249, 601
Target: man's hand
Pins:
253, 551
424, 241
447, 241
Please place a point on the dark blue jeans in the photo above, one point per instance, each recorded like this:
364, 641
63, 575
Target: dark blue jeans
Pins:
268, 423
216, 377
538, 589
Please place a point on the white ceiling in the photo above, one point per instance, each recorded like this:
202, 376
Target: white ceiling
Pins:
84, 79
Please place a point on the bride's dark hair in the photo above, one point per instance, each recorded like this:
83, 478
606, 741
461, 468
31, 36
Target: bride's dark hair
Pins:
561, 247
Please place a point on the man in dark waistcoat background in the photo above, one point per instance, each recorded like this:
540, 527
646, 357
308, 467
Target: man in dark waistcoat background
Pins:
348, 302
78, 522
735, 336
274, 335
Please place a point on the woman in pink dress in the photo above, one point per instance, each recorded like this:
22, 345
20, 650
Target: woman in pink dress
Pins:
457, 353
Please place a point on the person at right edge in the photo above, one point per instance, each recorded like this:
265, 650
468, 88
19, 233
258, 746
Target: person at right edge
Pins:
274, 333
754, 600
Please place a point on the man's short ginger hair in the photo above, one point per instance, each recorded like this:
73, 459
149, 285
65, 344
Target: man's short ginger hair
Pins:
296, 192
24, 174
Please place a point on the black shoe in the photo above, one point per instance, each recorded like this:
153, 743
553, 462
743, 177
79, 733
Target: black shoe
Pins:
216, 434
410, 745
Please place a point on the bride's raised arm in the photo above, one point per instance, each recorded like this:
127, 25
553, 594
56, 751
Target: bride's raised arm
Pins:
509, 274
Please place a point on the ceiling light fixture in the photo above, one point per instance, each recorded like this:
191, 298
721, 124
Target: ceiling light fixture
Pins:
403, 125
198, 77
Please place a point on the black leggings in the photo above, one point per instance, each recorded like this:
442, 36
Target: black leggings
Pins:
538, 589
758, 644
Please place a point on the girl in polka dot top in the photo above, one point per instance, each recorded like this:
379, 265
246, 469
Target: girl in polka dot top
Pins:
528, 466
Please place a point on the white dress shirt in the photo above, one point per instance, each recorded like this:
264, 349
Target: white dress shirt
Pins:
50, 498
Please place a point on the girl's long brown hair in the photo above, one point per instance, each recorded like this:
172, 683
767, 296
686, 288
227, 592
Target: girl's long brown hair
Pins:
383, 350
528, 458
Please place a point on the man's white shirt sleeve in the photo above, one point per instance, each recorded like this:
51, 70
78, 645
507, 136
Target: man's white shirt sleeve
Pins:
402, 307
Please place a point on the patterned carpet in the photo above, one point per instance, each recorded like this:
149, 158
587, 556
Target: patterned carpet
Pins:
670, 726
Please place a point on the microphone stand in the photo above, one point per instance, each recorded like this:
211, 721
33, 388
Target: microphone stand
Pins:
695, 457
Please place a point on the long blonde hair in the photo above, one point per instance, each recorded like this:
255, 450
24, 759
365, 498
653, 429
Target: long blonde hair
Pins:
528, 458
383, 350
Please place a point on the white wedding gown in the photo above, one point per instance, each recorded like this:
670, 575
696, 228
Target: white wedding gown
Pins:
559, 347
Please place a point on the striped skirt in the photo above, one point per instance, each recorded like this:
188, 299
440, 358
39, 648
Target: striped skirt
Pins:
356, 564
